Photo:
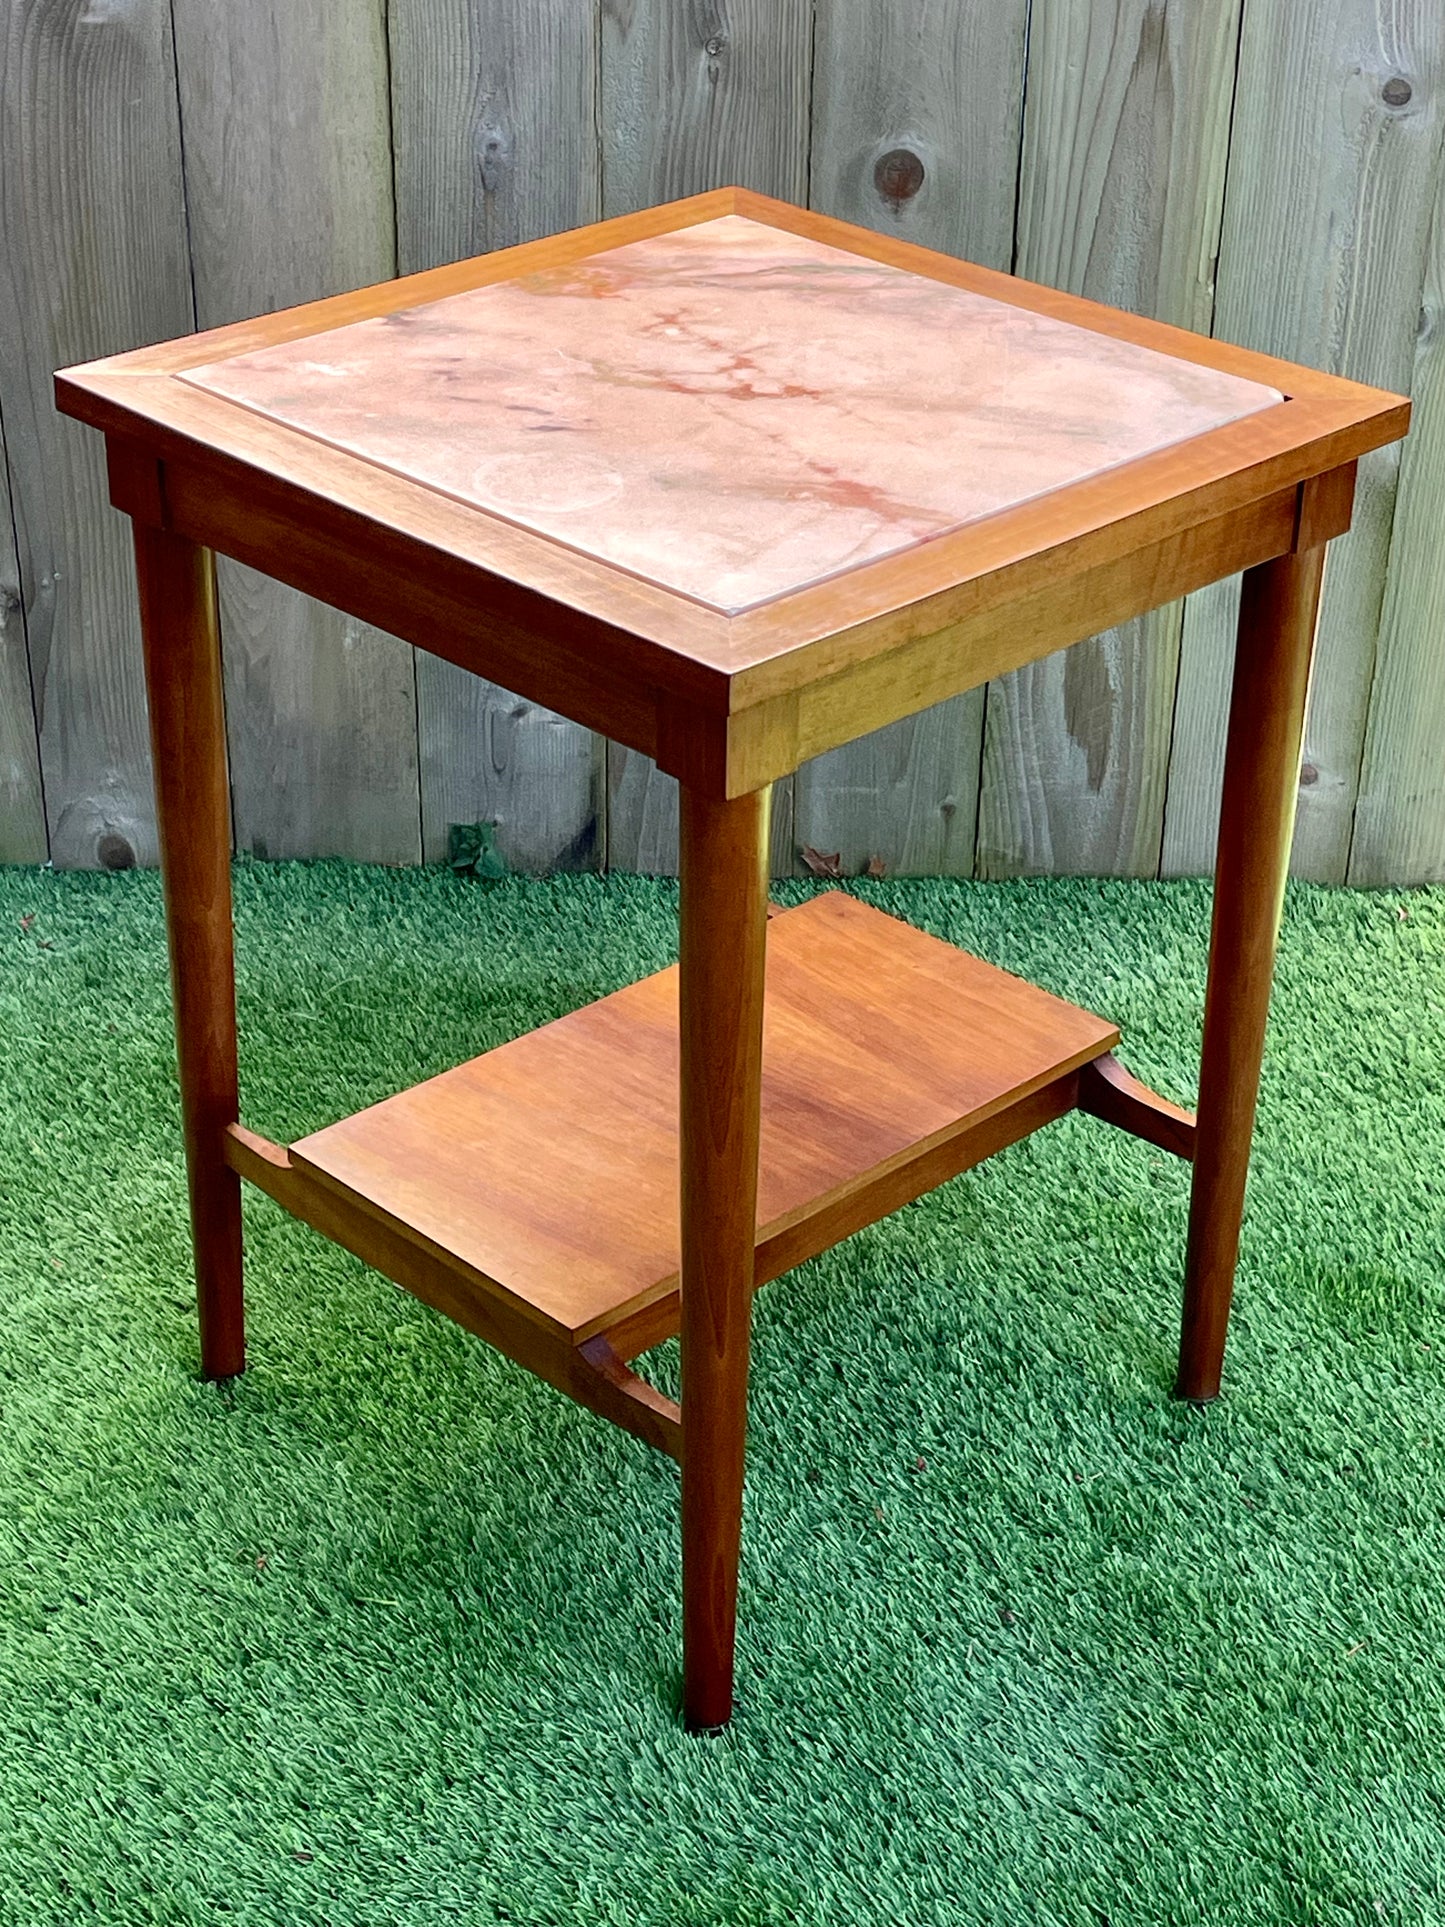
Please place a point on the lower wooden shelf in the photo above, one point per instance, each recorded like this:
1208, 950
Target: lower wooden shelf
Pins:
533, 1193
548, 1168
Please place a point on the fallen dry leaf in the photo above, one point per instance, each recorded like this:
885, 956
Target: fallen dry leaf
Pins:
822, 865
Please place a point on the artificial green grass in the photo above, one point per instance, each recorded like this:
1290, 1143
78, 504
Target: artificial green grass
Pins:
387, 1631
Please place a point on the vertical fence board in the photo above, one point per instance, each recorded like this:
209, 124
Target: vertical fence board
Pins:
1126, 133
513, 118
22, 811
496, 142
709, 94
1326, 224
712, 93
288, 183
938, 84
94, 262
1399, 832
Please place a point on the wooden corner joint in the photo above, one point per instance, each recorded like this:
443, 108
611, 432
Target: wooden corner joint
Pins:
728, 753
591, 1373
1108, 1091
658, 1419
137, 482
255, 1157
1325, 507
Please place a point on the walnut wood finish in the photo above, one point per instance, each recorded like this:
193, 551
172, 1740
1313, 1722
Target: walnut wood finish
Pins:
722, 930
533, 1194
590, 1373
546, 1171
1109, 1091
889, 1187
193, 810
1277, 617
727, 704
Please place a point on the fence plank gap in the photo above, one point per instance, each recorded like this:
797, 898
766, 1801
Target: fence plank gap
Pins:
1326, 226
1126, 133
713, 94
915, 132
1399, 831
22, 805
288, 179
495, 115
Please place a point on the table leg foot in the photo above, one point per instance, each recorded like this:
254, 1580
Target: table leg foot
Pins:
188, 745
1261, 778
724, 850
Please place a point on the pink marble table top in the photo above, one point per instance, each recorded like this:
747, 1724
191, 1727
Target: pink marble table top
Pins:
730, 410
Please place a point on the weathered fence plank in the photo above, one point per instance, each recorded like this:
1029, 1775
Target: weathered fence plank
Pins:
1327, 212
94, 261
706, 95
288, 184
1126, 135
710, 94
22, 807
1400, 818
915, 132
496, 142
506, 119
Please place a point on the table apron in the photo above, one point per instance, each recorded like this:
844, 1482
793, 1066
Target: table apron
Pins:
718, 752
760, 744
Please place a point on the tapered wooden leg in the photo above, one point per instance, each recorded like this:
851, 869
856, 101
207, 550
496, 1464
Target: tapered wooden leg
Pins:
724, 864
1261, 780
188, 746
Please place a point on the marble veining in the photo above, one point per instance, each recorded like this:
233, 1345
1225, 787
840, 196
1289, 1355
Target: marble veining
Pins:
732, 411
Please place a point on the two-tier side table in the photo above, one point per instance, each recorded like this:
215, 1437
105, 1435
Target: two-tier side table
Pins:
732, 484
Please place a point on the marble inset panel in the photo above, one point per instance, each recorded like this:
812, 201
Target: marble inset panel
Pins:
730, 410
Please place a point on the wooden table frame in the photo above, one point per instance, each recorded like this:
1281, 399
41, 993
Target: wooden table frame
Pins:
726, 704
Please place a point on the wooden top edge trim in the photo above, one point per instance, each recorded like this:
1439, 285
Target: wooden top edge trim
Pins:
432, 284
733, 663
949, 572
736, 661
1292, 378
405, 291
203, 434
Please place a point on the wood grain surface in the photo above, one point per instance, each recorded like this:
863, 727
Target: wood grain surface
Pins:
177, 598
1278, 614
721, 1035
288, 187
590, 1373
496, 141
1334, 162
913, 110
1121, 194
549, 1166
94, 261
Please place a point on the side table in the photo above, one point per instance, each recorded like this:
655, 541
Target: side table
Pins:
733, 484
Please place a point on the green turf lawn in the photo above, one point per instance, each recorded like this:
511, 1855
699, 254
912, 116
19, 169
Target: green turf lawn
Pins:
387, 1632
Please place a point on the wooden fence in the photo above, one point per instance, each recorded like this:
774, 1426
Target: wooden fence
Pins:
1270, 169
